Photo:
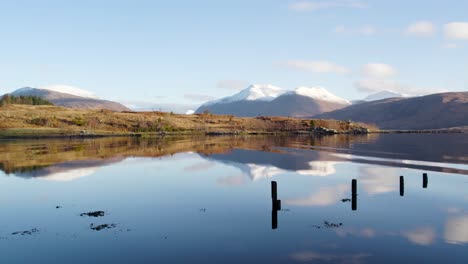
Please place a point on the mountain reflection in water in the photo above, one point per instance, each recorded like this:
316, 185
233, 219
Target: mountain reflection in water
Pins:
256, 156
379, 198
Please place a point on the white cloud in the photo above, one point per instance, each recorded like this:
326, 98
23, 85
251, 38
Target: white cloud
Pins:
451, 46
367, 30
316, 66
364, 30
377, 85
302, 6
231, 84
378, 70
370, 85
198, 97
456, 30
421, 28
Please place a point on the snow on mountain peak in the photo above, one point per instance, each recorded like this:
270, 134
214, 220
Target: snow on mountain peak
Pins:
261, 92
319, 93
70, 90
268, 92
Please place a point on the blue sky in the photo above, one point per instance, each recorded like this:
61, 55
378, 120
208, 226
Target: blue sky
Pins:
155, 52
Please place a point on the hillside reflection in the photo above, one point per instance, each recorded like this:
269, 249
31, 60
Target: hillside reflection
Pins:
256, 156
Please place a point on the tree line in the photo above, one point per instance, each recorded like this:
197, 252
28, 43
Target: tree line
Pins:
23, 99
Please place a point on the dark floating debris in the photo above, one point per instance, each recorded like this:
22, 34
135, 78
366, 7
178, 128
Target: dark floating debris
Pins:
101, 227
345, 200
202, 210
93, 214
327, 224
27, 232
58, 207
331, 225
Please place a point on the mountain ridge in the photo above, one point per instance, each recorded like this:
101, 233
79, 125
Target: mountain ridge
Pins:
434, 111
257, 100
70, 100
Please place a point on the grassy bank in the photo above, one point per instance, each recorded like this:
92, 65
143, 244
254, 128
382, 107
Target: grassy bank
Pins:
24, 121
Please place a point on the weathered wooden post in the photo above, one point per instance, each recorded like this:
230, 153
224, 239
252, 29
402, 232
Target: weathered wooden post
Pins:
274, 191
275, 205
274, 219
354, 195
402, 186
425, 180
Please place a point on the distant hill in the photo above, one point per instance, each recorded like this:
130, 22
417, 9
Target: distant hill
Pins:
268, 100
433, 111
70, 100
382, 95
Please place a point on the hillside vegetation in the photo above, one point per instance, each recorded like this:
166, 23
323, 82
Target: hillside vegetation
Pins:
35, 121
25, 100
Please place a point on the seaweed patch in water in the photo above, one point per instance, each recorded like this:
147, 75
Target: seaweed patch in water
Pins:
100, 227
27, 232
94, 214
327, 224
331, 225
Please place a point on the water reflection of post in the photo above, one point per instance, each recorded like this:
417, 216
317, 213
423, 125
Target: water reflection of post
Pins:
402, 186
425, 180
354, 195
275, 205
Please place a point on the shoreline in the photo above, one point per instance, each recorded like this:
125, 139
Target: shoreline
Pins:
25, 121
33, 133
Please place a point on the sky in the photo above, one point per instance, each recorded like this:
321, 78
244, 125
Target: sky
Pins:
187, 52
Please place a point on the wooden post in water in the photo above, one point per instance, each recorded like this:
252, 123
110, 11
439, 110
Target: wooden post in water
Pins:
274, 191
402, 186
274, 219
425, 180
354, 195
275, 205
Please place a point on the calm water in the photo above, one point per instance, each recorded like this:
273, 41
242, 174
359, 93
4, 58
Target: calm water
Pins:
209, 200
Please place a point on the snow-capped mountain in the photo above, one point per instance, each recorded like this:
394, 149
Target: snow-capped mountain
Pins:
318, 93
69, 90
263, 100
260, 92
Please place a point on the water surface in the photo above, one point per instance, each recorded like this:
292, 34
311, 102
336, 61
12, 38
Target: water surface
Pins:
209, 200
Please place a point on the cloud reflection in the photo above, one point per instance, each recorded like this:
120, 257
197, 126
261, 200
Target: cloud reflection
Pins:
311, 256
422, 236
70, 175
319, 168
378, 180
324, 197
235, 180
456, 230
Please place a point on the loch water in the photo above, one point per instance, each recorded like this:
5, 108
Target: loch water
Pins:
378, 198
